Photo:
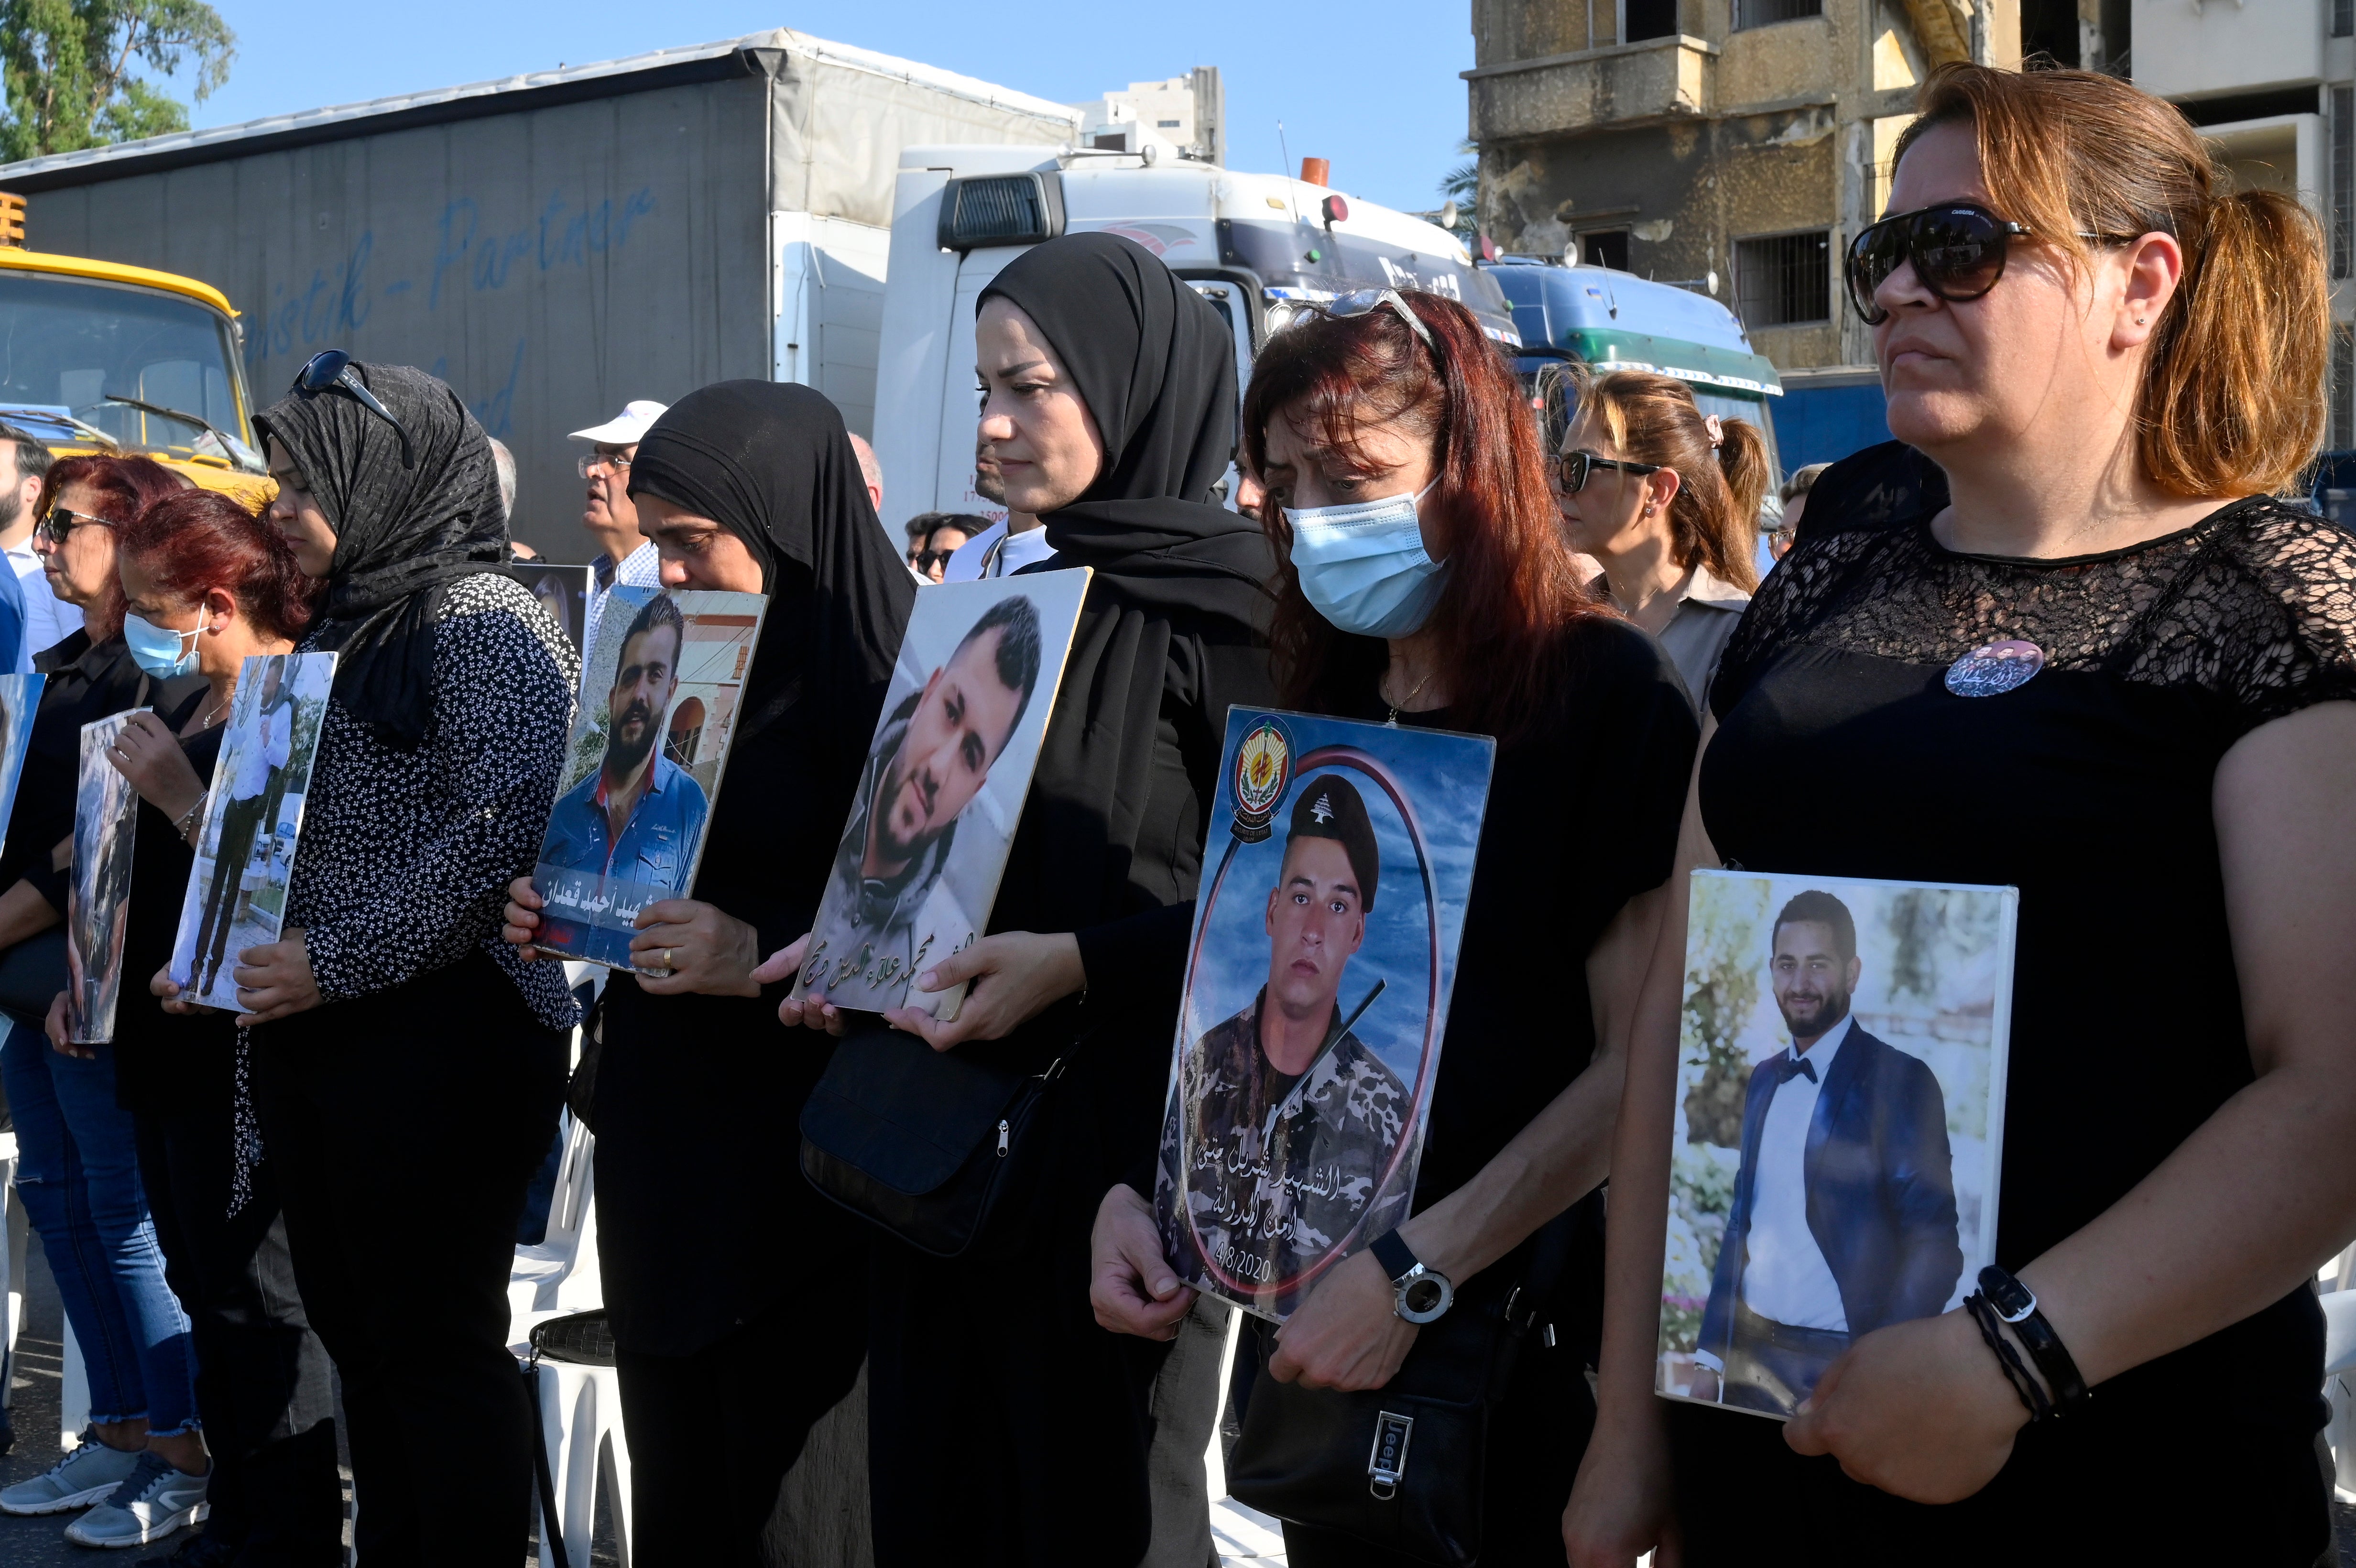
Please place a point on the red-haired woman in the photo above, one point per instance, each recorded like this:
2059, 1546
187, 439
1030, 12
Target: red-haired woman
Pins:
84, 501
79, 1172
1447, 599
205, 586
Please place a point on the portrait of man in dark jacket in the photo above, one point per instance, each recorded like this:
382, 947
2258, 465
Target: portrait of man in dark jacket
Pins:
1844, 1214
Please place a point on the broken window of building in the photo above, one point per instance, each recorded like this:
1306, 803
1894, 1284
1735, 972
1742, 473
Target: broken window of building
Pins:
1783, 279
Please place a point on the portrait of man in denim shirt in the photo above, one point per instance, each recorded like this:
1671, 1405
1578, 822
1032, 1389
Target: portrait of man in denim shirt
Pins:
628, 831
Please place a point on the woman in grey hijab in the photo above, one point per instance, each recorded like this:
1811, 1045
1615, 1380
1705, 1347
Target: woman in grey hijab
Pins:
407, 1065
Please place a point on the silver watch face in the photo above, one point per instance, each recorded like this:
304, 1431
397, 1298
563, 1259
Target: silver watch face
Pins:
1424, 1295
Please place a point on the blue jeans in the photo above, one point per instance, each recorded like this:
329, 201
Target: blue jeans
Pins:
78, 1172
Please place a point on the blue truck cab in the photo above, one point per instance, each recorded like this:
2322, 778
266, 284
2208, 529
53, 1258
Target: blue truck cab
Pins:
1616, 320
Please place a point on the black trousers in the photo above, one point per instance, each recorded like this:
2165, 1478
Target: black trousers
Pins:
263, 1381
702, 1501
241, 826
1003, 1426
403, 1127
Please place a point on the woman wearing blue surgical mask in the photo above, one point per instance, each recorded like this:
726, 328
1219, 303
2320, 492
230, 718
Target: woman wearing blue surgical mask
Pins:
1426, 583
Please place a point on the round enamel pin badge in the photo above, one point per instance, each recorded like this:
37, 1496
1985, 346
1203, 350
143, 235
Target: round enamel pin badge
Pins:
1993, 668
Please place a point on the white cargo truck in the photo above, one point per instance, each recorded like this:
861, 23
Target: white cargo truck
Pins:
558, 243
1255, 245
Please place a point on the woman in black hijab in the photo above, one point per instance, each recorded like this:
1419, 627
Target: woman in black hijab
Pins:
1003, 1423
725, 1274
408, 1065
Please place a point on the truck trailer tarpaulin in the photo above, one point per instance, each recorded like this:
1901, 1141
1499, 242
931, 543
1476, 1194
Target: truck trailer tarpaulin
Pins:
555, 244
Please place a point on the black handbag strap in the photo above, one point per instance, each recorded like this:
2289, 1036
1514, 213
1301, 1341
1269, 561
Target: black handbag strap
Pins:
552, 1529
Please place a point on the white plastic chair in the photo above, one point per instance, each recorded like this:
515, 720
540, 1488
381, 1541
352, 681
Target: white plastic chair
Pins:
2340, 1387
559, 1274
580, 1426
14, 1235
580, 1407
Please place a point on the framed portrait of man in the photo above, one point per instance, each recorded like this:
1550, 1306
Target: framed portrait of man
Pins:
664, 670
20, 698
1316, 996
106, 813
253, 820
947, 768
1840, 1124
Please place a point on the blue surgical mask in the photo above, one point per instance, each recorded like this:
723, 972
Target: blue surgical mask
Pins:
160, 651
1363, 566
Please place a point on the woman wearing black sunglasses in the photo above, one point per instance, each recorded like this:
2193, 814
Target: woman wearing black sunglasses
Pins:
1666, 499
2115, 673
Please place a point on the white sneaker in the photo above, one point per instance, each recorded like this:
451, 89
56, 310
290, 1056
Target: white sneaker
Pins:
88, 1475
149, 1504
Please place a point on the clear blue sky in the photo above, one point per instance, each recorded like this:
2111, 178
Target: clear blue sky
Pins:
1374, 87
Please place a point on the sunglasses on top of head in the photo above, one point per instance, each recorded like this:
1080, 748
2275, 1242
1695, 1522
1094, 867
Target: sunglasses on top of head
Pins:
331, 369
1957, 249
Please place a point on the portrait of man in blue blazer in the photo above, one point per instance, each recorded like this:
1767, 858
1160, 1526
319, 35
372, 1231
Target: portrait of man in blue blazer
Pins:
1844, 1212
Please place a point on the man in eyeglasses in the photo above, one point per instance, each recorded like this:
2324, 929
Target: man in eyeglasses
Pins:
47, 620
610, 517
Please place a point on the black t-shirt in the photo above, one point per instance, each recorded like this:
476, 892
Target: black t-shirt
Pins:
1840, 751
162, 1062
1582, 817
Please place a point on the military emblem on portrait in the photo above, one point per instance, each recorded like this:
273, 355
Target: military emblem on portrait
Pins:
1316, 994
918, 865
1839, 1123
662, 678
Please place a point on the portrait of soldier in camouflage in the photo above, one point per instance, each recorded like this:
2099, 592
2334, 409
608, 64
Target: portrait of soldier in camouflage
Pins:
1294, 1120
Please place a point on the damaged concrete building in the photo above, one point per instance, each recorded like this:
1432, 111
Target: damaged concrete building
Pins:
1746, 139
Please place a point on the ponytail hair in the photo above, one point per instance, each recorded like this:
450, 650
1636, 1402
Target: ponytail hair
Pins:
1714, 516
2230, 403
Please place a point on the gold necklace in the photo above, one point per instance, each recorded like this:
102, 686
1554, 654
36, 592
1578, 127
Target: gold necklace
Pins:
1408, 700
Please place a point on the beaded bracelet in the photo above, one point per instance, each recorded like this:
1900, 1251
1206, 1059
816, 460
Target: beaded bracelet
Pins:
2009, 1362
188, 822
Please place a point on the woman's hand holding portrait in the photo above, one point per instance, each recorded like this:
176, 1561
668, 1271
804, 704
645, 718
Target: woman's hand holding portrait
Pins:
1348, 1334
56, 1027
1131, 1286
275, 980
521, 921
1919, 1409
147, 752
684, 948
1014, 976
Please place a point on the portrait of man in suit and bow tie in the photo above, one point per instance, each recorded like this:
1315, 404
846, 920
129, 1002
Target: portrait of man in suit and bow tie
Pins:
1844, 1213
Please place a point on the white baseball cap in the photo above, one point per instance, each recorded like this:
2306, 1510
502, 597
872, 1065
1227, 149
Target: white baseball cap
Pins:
626, 428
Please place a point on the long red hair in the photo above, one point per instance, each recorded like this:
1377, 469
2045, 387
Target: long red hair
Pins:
131, 486
1511, 590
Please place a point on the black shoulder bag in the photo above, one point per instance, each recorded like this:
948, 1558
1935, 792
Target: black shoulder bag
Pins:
933, 1145
1400, 1467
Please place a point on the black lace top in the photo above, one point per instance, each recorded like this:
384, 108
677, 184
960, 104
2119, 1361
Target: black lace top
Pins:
1842, 751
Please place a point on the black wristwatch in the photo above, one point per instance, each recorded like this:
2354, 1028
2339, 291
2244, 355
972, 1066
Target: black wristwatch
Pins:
2016, 1305
1423, 1293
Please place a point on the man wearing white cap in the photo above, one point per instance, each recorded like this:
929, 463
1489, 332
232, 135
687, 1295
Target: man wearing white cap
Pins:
610, 516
